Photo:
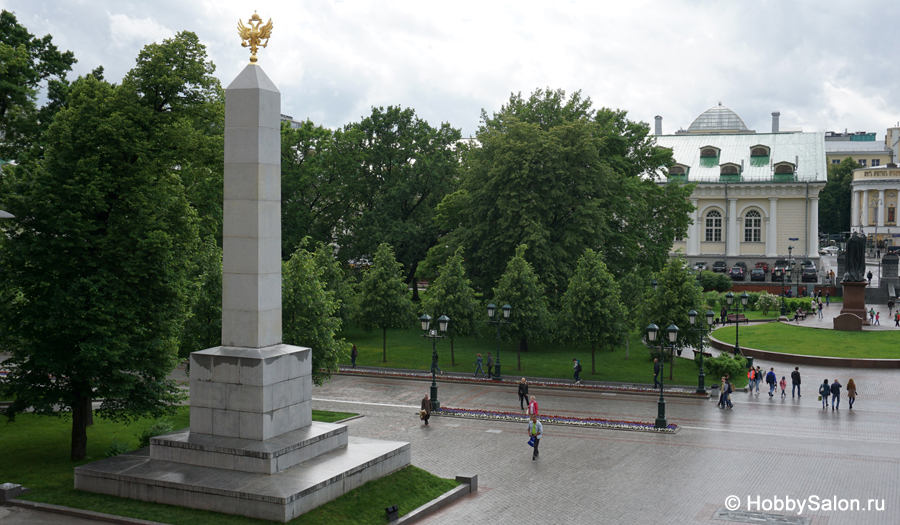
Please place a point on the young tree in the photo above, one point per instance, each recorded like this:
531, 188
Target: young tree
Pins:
834, 207
452, 295
309, 313
591, 307
382, 298
520, 288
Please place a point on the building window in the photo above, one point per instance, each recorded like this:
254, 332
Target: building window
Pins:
862, 162
835, 161
714, 226
752, 226
876, 162
891, 213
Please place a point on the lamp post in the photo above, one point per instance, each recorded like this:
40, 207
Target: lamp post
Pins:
710, 319
507, 309
875, 204
785, 272
672, 332
443, 321
731, 307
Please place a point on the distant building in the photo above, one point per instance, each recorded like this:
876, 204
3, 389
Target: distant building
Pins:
860, 146
290, 120
756, 194
873, 205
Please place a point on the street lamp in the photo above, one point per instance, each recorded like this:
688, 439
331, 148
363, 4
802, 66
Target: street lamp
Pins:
785, 273
710, 319
875, 204
672, 332
507, 309
443, 321
731, 307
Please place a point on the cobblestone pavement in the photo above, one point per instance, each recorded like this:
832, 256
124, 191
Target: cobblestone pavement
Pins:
766, 447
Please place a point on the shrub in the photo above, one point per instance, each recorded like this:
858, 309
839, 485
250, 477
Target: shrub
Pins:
117, 447
156, 429
725, 363
768, 302
719, 282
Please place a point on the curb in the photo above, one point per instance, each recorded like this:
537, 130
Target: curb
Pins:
813, 360
469, 485
78, 513
551, 422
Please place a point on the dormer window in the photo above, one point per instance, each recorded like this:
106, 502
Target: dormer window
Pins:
679, 171
784, 167
729, 169
759, 151
709, 151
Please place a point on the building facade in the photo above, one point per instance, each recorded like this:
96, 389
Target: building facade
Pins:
860, 146
873, 204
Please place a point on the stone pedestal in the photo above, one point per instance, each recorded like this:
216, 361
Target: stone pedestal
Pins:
855, 304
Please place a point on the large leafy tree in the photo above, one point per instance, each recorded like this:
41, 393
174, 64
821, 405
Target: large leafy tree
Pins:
98, 260
27, 64
835, 197
382, 298
406, 167
592, 310
452, 295
521, 288
203, 327
310, 313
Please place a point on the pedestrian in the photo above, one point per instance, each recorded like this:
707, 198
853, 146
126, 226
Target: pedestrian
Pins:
425, 412
783, 385
851, 392
824, 392
827, 299
871, 315
795, 381
869, 277
353, 354
772, 381
478, 365
533, 407
434, 364
576, 365
878, 254
656, 370
821, 313
897, 318
523, 393
835, 395
721, 403
724, 316
536, 431
728, 390
490, 364
751, 377
759, 378
890, 307
878, 318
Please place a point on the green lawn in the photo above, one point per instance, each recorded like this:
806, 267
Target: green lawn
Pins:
407, 349
798, 339
36, 455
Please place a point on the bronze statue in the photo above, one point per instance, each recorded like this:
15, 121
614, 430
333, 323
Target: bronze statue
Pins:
856, 259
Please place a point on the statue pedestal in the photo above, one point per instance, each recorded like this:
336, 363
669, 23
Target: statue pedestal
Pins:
854, 303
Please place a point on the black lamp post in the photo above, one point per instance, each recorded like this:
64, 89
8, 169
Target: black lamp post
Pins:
507, 309
710, 319
786, 275
672, 332
731, 307
443, 321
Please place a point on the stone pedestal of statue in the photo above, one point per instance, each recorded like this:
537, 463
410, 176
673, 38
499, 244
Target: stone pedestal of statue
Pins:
855, 304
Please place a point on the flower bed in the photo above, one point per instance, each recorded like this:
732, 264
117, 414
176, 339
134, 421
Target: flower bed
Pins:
554, 420
512, 382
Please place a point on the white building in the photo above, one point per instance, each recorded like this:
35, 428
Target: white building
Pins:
873, 204
756, 194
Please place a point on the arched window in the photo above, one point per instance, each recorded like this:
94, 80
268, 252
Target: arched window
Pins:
713, 226
752, 226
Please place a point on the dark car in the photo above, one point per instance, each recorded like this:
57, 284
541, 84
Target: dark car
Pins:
763, 265
778, 269
757, 274
742, 265
719, 267
809, 275
737, 273
892, 249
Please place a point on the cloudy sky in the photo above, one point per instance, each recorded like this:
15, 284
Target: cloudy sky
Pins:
825, 65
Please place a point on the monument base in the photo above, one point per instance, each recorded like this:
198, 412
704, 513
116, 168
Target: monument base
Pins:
854, 303
277, 497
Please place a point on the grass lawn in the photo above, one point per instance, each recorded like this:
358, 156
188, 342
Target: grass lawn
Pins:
407, 349
36, 455
778, 337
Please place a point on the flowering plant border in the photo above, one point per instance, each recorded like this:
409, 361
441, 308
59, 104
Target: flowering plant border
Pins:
551, 419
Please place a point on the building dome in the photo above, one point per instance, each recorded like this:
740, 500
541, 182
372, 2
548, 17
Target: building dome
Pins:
718, 118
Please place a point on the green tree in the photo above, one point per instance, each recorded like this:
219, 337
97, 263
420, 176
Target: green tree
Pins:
592, 310
521, 288
835, 197
677, 293
310, 315
203, 327
451, 294
98, 257
382, 298
337, 280
26, 62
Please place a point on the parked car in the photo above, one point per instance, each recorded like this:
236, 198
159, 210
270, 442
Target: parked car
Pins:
763, 265
742, 265
809, 275
757, 274
778, 268
806, 263
737, 273
834, 250
892, 249
701, 265
719, 267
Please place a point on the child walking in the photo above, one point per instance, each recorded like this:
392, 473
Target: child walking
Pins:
783, 385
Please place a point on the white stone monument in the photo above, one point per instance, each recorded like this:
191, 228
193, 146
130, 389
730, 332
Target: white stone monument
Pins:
252, 447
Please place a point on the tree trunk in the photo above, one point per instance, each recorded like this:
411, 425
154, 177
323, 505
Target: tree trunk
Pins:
384, 345
81, 408
627, 346
414, 282
452, 357
672, 364
593, 367
523, 347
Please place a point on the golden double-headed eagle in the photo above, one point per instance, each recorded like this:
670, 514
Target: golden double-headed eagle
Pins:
252, 36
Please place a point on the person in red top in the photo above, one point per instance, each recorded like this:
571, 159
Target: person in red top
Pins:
532, 407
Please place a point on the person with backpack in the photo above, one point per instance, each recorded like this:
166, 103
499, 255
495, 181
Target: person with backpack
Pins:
577, 367
772, 381
824, 392
795, 380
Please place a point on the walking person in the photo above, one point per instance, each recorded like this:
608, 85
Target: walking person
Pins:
795, 381
751, 377
759, 378
869, 277
821, 313
728, 390
576, 366
434, 364
878, 318
535, 430
871, 315
851, 392
523, 393
656, 370
490, 365
890, 307
533, 407
827, 299
897, 318
824, 392
783, 385
425, 412
772, 381
478, 365
721, 403
353, 354
835, 395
